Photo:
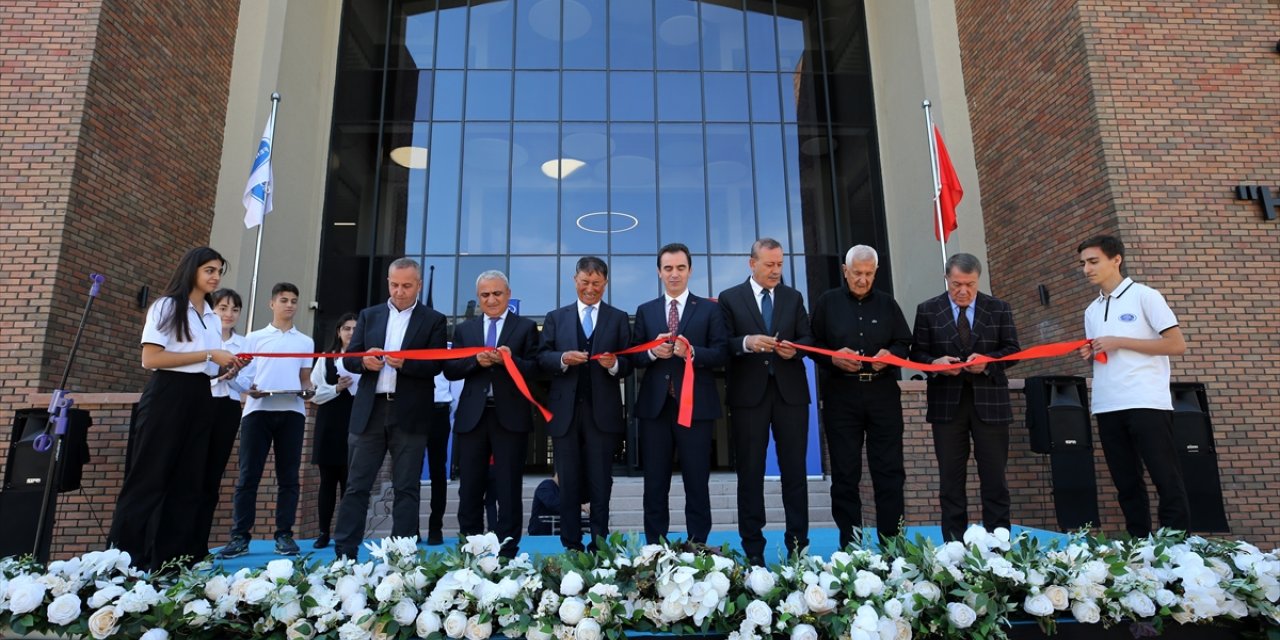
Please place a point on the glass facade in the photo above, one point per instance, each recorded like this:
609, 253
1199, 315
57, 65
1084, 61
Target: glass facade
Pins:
522, 134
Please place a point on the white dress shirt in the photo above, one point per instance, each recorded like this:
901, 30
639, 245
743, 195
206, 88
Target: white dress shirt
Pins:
229, 388
397, 324
206, 334
325, 391
276, 374
759, 291
666, 310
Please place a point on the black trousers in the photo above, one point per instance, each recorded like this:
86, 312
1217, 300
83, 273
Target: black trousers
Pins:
507, 448
658, 438
751, 427
854, 412
160, 507
584, 463
437, 471
333, 483
365, 452
990, 451
260, 433
1131, 439
226, 424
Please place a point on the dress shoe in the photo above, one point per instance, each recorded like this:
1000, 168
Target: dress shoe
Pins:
435, 538
321, 542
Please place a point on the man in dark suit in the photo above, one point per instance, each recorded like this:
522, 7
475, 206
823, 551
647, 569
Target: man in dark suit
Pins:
393, 405
493, 418
972, 402
586, 403
768, 386
701, 322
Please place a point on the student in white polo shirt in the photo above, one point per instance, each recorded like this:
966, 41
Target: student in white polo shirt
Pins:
1134, 327
275, 421
226, 409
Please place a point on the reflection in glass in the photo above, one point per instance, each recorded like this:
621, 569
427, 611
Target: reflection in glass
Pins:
443, 291
537, 95
468, 268
442, 187
770, 181
448, 95
726, 97
489, 95
489, 46
633, 173
451, 35
584, 33
790, 43
416, 28
681, 188
676, 23
730, 202
533, 193
728, 271
415, 181
764, 97
537, 34
584, 95
533, 281
584, 191
631, 95
723, 48
762, 50
632, 280
486, 155
630, 35
679, 97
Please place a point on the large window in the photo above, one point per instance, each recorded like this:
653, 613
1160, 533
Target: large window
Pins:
522, 134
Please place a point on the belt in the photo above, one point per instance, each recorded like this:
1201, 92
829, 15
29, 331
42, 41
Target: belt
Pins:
389, 397
865, 376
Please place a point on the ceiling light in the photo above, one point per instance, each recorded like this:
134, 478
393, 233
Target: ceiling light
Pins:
587, 223
560, 168
410, 157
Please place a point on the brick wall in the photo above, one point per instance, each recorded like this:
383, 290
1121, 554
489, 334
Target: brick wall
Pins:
1138, 118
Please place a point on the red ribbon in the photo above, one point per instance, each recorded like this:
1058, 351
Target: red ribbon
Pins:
1040, 351
685, 416
422, 354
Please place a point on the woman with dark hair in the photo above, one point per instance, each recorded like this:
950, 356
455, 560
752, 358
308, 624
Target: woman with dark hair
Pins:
335, 392
161, 504
226, 407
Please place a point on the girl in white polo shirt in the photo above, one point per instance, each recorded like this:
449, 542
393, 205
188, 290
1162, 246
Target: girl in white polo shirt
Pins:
161, 504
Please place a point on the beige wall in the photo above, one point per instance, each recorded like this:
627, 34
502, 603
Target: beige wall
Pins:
915, 54
290, 47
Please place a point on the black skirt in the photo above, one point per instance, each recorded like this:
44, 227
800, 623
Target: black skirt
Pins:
329, 446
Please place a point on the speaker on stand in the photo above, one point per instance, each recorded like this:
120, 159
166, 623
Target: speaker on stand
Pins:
1193, 436
23, 492
1059, 425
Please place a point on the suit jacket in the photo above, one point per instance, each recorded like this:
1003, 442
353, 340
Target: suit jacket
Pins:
703, 325
518, 334
992, 334
612, 333
415, 384
749, 371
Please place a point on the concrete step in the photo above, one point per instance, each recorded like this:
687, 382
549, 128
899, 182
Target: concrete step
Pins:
626, 508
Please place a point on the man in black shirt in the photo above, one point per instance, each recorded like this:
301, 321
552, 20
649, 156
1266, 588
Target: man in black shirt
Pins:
862, 400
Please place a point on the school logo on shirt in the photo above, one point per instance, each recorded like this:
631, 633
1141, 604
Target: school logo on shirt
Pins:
1128, 317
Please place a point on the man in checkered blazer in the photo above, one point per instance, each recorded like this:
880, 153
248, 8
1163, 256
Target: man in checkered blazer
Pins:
969, 403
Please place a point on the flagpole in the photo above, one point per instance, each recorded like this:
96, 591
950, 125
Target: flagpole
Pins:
937, 179
257, 253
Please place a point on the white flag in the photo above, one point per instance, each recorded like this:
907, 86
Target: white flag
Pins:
257, 194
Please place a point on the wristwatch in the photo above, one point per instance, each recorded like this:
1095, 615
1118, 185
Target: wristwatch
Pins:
208, 356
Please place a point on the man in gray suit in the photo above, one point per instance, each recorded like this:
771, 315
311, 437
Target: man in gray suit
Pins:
393, 405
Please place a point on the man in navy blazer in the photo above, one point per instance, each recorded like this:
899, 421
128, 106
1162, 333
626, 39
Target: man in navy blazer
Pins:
392, 409
701, 322
493, 418
972, 402
768, 386
586, 404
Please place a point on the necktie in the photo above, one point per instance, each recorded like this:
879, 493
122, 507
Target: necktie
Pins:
587, 325
962, 327
491, 338
673, 319
766, 310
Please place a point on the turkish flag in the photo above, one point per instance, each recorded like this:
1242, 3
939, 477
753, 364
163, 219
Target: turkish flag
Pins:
951, 192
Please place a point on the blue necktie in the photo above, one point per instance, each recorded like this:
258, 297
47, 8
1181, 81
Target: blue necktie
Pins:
491, 338
766, 310
587, 325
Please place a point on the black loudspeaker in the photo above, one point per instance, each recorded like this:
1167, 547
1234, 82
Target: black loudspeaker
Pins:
1193, 436
28, 468
1059, 425
19, 510
1058, 414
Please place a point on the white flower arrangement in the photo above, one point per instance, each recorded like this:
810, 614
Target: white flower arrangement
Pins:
956, 590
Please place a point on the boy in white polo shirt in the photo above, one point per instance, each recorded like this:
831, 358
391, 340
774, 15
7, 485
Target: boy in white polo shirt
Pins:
274, 421
1134, 327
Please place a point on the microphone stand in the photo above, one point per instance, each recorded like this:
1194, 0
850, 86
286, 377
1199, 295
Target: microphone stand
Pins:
55, 432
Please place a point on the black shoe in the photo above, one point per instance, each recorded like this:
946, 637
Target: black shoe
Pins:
321, 542
285, 545
346, 554
238, 546
756, 561
435, 538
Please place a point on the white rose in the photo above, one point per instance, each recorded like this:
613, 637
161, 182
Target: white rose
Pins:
455, 624
301, 629
353, 631
286, 612
391, 588
489, 564
761, 581
1165, 598
1139, 604
216, 587
428, 622
536, 633
815, 597
902, 630
893, 609
572, 610
64, 609
961, 615
1038, 605
759, 614
479, 545
405, 612
279, 569
719, 582
571, 584
477, 630
804, 632
867, 584
587, 629
1094, 571
1059, 596
25, 594
1086, 612
155, 634
354, 604
199, 610
928, 590
104, 623
794, 604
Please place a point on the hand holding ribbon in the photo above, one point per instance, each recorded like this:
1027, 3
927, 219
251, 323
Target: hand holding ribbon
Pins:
1040, 351
685, 416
